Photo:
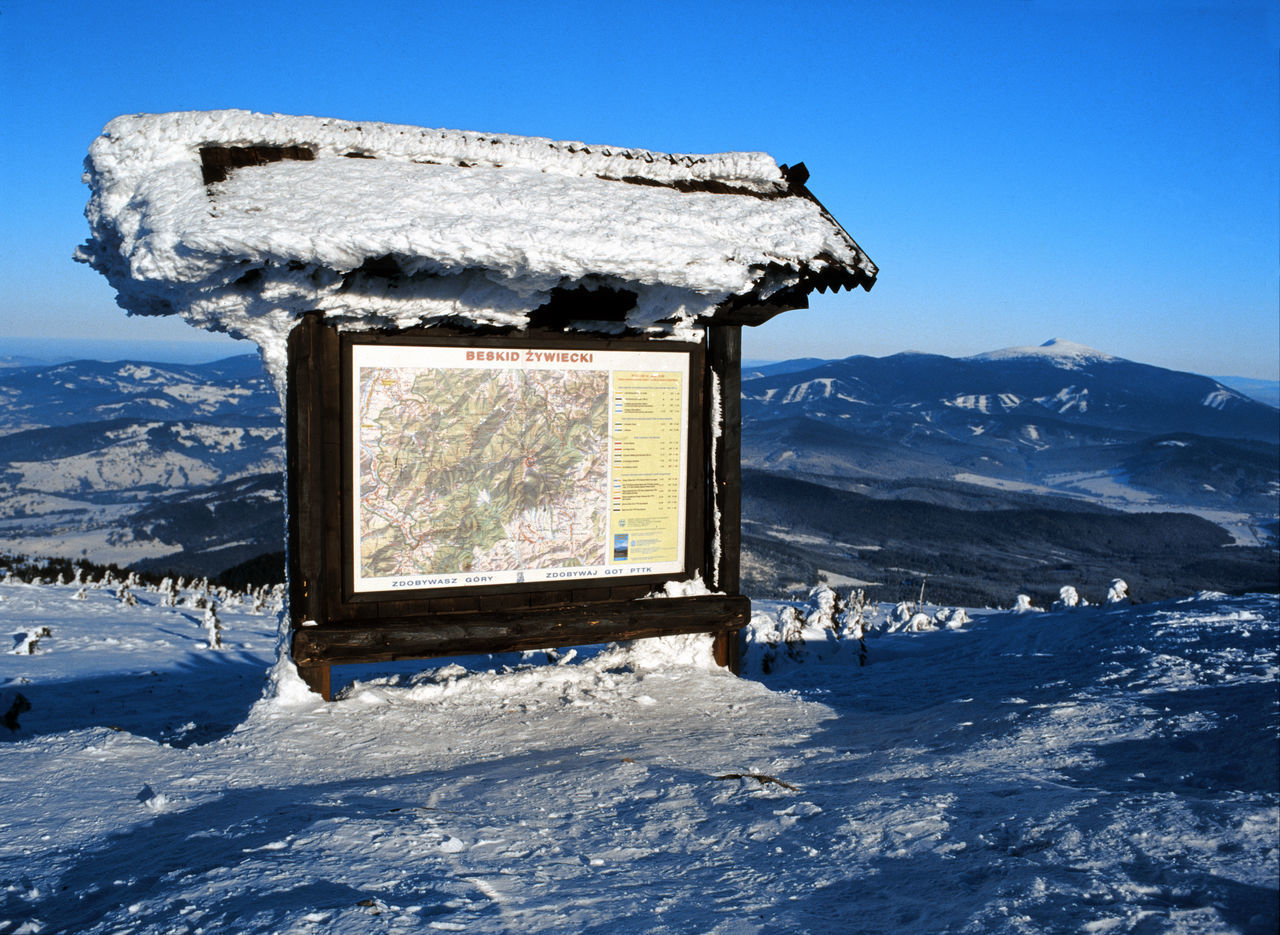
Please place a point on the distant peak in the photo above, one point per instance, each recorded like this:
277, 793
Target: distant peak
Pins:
1059, 351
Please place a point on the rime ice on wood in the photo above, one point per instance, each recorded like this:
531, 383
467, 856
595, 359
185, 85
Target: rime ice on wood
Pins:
241, 222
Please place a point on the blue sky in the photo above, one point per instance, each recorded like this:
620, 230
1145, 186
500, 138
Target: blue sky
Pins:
1020, 170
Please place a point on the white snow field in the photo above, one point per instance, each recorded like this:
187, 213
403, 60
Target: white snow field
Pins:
1103, 770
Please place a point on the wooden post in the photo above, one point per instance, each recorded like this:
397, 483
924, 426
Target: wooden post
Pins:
724, 358
317, 679
304, 452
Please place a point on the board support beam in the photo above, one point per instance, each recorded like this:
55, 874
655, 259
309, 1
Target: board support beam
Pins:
388, 640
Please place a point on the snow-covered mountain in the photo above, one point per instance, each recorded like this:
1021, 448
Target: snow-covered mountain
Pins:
1036, 398
1021, 464
89, 451
233, 391
1062, 416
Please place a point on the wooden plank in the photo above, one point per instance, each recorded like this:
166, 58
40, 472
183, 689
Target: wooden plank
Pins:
304, 446
724, 353
460, 634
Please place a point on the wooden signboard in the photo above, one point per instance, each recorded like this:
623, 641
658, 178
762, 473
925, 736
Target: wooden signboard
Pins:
460, 492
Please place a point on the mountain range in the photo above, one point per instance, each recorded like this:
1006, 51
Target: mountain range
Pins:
144, 464
1060, 426
961, 470
1060, 417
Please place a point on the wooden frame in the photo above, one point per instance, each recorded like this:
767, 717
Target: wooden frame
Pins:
692, 535
333, 625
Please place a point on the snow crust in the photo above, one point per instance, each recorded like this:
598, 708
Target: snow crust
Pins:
1099, 769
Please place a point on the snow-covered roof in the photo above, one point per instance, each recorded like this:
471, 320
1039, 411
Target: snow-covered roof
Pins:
239, 221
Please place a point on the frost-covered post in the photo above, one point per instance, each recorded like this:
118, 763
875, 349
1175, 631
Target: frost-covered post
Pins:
724, 360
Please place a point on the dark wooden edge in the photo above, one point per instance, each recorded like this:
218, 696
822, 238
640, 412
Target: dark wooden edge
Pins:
505, 631
304, 475
724, 364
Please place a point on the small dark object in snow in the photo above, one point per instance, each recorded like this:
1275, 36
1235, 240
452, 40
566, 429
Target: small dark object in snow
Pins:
760, 778
13, 709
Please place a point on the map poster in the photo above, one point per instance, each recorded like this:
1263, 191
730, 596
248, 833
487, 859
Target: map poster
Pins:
503, 465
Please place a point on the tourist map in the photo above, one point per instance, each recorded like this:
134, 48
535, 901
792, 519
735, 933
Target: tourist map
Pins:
499, 466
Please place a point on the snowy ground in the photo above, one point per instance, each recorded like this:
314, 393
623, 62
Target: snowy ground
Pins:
1100, 770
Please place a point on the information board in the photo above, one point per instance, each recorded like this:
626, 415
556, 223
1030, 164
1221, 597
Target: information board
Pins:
474, 467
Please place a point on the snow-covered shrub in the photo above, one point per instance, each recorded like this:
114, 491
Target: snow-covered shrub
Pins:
900, 616
853, 623
125, 596
1068, 598
762, 637
213, 626
826, 605
791, 629
953, 618
920, 623
1023, 605
82, 594
29, 642
852, 620
1118, 593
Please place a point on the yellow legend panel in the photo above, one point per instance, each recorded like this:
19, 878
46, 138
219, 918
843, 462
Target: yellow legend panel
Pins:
648, 442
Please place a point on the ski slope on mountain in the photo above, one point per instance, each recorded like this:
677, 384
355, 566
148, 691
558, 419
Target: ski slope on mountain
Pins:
1107, 769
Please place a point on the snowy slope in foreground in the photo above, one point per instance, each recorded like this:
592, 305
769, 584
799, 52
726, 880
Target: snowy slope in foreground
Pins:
1102, 770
